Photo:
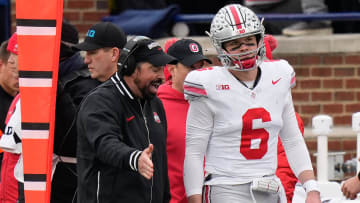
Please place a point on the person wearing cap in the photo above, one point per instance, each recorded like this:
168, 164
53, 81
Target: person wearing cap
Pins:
11, 187
236, 113
103, 43
190, 57
9, 82
74, 83
122, 131
6, 98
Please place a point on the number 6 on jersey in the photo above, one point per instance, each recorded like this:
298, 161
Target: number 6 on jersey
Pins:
248, 134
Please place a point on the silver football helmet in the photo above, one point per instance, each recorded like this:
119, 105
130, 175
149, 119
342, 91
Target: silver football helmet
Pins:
236, 21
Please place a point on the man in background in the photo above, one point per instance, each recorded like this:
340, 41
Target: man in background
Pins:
190, 57
103, 44
74, 83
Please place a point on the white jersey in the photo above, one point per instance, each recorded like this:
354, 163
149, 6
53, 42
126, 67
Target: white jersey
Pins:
236, 127
10, 141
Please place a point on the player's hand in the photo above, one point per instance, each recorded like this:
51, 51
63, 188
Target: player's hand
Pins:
351, 187
313, 197
145, 164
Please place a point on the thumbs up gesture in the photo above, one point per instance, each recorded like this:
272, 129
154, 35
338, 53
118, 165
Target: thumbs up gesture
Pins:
145, 164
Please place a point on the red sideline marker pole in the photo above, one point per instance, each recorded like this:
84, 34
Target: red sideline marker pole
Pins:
38, 26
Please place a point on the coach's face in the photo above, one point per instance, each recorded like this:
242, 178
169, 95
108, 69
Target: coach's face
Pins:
148, 78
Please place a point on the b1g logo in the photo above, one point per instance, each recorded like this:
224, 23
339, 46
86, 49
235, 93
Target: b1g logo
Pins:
222, 87
241, 31
91, 33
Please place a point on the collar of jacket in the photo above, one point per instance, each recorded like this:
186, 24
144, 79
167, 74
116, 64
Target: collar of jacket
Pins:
122, 86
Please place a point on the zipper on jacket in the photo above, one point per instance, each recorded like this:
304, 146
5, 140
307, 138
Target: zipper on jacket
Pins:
148, 136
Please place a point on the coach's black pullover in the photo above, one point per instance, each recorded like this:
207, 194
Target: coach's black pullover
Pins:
113, 128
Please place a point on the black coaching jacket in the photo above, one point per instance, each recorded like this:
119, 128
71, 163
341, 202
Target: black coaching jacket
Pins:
113, 129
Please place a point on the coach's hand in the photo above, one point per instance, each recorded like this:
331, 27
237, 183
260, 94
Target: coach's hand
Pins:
351, 187
146, 166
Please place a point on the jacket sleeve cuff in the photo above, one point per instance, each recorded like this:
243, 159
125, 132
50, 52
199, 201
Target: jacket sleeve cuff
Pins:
133, 161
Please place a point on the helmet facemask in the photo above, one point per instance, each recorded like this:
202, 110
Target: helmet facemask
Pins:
232, 22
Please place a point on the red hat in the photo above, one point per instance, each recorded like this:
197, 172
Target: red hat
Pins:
168, 44
270, 44
272, 41
13, 45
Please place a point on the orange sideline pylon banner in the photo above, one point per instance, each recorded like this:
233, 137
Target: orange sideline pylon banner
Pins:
38, 27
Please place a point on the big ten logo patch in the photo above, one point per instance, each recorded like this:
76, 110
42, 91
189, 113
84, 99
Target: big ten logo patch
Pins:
222, 87
241, 31
91, 33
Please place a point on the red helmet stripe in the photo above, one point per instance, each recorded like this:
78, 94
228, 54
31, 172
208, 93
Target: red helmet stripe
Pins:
236, 17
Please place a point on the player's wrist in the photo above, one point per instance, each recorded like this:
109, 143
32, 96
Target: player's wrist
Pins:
311, 186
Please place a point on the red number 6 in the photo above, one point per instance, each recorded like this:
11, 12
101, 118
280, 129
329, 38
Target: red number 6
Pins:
248, 134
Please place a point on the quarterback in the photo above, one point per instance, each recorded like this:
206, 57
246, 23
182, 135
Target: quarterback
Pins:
235, 115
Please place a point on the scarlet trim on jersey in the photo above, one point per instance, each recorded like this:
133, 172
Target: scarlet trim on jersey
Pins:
194, 89
206, 193
293, 80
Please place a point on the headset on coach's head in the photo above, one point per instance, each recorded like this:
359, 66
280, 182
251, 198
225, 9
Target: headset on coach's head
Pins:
127, 62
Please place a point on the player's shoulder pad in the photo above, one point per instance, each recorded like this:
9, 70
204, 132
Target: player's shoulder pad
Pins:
195, 82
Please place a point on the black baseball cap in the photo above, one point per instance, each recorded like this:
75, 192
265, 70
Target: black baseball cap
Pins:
69, 33
101, 35
187, 51
151, 51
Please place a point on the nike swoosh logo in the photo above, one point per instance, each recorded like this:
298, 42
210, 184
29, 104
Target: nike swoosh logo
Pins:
276, 81
130, 118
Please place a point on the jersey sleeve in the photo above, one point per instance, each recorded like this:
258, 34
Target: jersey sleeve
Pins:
194, 87
294, 143
199, 125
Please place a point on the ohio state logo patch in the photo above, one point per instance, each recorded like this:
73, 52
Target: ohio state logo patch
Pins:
156, 117
194, 47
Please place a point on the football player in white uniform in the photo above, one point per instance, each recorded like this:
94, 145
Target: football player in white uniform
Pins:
235, 116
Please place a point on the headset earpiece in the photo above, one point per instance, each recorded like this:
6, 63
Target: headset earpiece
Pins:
130, 65
127, 62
